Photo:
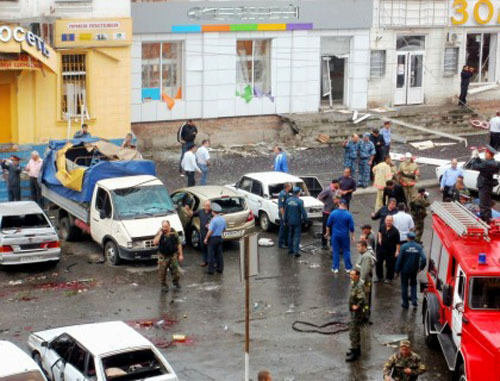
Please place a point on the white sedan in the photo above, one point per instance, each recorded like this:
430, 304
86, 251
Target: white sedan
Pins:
470, 175
98, 352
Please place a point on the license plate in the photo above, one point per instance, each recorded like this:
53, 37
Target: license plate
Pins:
31, 258
236, 233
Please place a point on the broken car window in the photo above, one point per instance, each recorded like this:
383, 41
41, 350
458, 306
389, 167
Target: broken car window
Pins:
141, 202
134, 365
37, 220
230, 204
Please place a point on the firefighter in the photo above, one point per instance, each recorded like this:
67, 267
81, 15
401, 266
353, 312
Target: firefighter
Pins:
408, 176
357, 299
418, 209
351, 152
404, 365
487, 167
365, 264
170, 254
366, 156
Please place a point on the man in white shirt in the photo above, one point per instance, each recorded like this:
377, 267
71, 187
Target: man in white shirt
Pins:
33, 168
495, 131
403, 222
203, 158
189, 164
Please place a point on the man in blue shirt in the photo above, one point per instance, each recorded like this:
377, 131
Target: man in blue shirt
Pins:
213, 239
340, 226
449, 179
83, 133
386, 134
280, 160
295, 216
283, 232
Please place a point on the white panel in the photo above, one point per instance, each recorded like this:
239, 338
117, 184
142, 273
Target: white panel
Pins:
255, 106
135, 113
193, 93
299, 88
194, 62
136, 50
226, 107
241, 107
282, 105
211, 77
178, 111
210, 92
136, 96
311, 103
148, 112
136, 80
227, 76
210, 109
268, 106
313, 88
162, 111
193, 109
193, 78
361, 42
283, 74
136, 66
226, 91
282, 89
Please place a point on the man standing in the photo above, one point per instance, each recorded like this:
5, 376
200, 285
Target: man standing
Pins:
186, 136
387, 135
378, 143
82, 133
295, 216
404, 365
280, 160
366, 156
387, 250
203, 158
13, 177
127, 142
357, 300
214, 241
382, 173
408, 176
347, 186
339, 227
458, 189
283, 232
449, 179
411, 260
485, 182
327, 197
351, 153
33, 168
387, 210
170, 254
418, 209
403, 222
205, 216
395, 191
465, 77
189, 165
368, 236
495, 131
365, 264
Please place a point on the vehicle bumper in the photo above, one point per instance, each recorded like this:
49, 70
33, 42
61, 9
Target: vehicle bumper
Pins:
237, 233
7, 259
138, 254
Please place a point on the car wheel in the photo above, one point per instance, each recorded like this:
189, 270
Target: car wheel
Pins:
68, 231
265, 223
111, 253
195, 238
430, 338
38, 359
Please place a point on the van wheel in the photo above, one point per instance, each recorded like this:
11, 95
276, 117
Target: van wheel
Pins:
265, 224
111, 253
195, 238
430, 338
68, 231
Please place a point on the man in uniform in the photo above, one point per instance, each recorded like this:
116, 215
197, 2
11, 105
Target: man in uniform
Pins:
366, 156
351, 152
283, 232
408, 176
378, 143
387, 135
13, 178
357, 299
382, 173
485, 181
418, 209
365, 264
295, 216
205, 215
170, 254
404, 365
214, 241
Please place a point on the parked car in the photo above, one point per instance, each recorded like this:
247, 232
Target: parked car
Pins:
239, 218
470, 175
98, 352
261, 189
26, 234
15, 365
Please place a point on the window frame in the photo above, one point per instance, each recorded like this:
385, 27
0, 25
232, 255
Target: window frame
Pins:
257, 184
63, 113
252, 59
454, 71
383, 63
70, 348
83, 371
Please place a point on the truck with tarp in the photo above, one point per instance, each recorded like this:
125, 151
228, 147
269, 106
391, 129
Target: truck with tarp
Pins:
108, 192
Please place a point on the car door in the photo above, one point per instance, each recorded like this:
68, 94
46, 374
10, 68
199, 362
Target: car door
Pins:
101, 215
458, 307
55, 358
181, 199
255, 197
244, 186
470, 176
76, 368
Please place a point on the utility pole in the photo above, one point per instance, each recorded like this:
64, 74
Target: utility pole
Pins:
247, 307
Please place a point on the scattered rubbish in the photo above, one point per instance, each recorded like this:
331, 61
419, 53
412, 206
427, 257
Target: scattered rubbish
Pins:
364, 117
265, 242
76, 285
147, 324
96, 258
421, 160
24, 298
337, 327
161, 343
211, 288
355, 115
314, 266
382, 109
303, 262
179, 300
480, 89
482, 124
323, 138
389, 339
426, 144
444, 144
290, 309
225, 328
15, 282
179, 338
135, 285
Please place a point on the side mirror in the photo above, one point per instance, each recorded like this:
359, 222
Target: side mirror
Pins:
459, 307
102, 214
447, 295
45, 344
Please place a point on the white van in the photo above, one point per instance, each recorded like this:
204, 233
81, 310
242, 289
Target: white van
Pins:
15, 365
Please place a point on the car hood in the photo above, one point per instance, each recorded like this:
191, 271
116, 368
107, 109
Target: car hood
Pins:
145, 227
311, 202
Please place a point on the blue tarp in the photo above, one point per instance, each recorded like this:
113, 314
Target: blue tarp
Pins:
99, 171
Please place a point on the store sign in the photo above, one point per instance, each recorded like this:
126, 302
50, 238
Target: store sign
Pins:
94, 25
243, 13
93, 33
20, 35
475, 12
23, 62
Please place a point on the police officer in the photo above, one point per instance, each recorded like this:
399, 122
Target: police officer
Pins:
418, 209
214, 241
408, 176
295, 216
378, 143
365, 264
170, 254
283, 232
404, 365
351, 153
13, 178
485, 181
366, 156
357, 300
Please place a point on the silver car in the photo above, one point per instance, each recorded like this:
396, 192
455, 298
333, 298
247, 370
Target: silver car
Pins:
26, 234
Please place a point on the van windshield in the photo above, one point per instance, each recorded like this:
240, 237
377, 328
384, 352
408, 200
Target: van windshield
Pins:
485, 293
142, 202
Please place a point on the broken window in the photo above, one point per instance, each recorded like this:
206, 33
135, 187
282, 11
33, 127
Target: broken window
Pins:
481, 55
450, 65
253, 66
377, 63
230, 204
74, 85
24, 221
134, 365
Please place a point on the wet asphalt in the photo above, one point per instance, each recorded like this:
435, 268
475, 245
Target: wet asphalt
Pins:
209, 310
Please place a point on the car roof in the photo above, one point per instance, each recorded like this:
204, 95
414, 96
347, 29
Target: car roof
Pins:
14, 361
273, 177
16, 208
128, 181
210, 191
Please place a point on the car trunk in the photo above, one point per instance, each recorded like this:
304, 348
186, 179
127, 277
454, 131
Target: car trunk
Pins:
313, 185
29, 239
234, 210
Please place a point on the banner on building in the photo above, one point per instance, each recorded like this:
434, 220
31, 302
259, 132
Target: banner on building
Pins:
23, 62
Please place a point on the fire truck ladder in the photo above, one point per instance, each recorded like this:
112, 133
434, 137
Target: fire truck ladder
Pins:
461, 220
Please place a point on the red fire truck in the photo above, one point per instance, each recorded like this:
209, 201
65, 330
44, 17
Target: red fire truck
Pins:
461, 309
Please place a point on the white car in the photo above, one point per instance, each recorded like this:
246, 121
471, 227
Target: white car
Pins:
15, 365
98, 352
470, 175
261, 189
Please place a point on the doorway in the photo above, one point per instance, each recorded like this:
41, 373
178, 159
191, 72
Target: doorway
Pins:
5, 114
410, 70
333, 72
480, 54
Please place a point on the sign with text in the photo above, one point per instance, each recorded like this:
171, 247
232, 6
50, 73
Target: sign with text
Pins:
23, 62
475, 12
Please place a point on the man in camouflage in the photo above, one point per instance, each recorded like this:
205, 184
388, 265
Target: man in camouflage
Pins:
366, 156
365, 263
169, 256
418, 208
408, 176
351, 153
404, 365
357, 299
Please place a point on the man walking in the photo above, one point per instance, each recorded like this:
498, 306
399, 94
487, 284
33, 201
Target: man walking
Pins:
357, 300
283, 232
347, 186
13, 177
382, 173
295, 216
411, 260
214, 241
387, 210
203, 159
280, 160
186, 136
189, 165
408, 176
418, 209
365, 264
366, 156
339, 228
449, 179
404, 365
495, 131
205, 216
33, 168
387, 250
403, 222
395, 191
170, 254
465, 77
327, 197
387, 135
351, 153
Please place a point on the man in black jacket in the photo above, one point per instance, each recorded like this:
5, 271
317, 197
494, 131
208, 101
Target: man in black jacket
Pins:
387, 210
465, 76
393, 190
186, 135
378, 142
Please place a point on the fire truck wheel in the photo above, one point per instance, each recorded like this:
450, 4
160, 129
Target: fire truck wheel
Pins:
460, 373
430, 338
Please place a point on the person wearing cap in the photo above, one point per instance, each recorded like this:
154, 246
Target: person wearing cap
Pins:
280, 160
283, 231
33, 168
82, 133
295, 216
382, 173
449, 178
411, 260
169, 255
404, 365
378, 143
366, 156
213, 240
458, 189
13, 178
357, 301
408, 176
189, 164
340, 230
328, 197
418, 210
387, 135
485, 182
495, 131
393, 190
351, 153
365, 264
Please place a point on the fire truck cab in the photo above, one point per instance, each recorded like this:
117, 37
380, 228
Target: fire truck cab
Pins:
461, 308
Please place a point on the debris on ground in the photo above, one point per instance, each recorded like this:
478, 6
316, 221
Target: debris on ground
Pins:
323, 138
75, 285
147, 324
15, 282
388, 340
265, 242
